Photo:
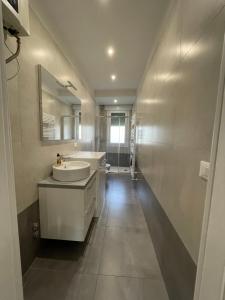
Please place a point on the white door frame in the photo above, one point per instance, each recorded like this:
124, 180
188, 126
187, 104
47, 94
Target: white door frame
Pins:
204, 285
10, 267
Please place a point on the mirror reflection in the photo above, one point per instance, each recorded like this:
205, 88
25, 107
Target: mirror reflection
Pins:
60, 109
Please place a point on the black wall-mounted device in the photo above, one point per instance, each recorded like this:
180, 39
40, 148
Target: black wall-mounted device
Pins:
14, 4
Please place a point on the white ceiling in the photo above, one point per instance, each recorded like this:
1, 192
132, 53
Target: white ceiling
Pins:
86, 28
123, 97
122, 100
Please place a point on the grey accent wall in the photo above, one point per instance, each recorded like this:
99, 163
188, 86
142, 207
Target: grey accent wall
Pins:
177, 267
175, 112
29, 245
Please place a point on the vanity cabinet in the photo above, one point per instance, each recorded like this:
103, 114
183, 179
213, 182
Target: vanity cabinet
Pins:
67, 209
97, 162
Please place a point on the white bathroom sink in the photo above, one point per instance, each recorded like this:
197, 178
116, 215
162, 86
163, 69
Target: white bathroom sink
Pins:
71, 171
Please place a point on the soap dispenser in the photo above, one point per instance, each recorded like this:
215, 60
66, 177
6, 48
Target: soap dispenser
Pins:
59, 160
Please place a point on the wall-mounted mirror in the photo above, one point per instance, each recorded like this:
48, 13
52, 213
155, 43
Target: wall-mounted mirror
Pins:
60, 109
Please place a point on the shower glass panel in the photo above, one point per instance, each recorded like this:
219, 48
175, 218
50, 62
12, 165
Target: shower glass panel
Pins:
114, 139
117, 128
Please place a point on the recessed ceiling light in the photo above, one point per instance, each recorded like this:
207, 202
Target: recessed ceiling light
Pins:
113, 77
104, 2
115, 100
110, 51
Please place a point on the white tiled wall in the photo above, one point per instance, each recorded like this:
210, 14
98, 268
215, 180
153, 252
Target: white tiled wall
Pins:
175, 110
33, 160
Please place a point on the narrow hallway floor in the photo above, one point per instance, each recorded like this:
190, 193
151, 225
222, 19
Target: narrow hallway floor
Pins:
117, 262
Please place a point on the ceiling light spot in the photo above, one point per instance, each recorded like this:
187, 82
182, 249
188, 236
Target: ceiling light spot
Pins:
113, 77
41, 53
115, 100
152, 101
110, 51
104, 2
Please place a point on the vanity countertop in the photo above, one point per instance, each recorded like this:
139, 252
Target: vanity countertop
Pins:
85, 155
52, 183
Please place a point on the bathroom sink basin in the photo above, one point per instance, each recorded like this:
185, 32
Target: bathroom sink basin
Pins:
71, 171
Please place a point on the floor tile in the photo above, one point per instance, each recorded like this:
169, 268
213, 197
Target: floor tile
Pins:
126, 288
117, 288
128, 252
120, 190
127, 198
97, 235
64, 250
126, 215
102, 220
72, 266
85, 287
153, 290
26, 277
93, 253
117, 261
55, 285
92, 260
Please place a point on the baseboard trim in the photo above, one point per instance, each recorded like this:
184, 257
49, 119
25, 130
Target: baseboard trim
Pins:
177, 267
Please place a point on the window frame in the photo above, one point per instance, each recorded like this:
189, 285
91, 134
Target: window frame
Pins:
109, 118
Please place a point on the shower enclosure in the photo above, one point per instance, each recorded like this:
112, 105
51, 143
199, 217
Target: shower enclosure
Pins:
114, 138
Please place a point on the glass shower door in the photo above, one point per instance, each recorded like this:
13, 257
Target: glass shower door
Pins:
114, 139
118, 147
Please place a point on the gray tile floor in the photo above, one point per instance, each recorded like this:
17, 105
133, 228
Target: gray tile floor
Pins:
119, 170
117, 262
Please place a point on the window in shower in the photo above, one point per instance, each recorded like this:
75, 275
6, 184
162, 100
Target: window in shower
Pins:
118, 128
118, 138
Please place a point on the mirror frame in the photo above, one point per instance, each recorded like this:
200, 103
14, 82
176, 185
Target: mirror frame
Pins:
40, 67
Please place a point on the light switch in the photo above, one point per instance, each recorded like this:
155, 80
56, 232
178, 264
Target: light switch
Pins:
204, 170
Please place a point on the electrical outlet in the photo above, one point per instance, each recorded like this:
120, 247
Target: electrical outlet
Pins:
36, 230
204, 170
